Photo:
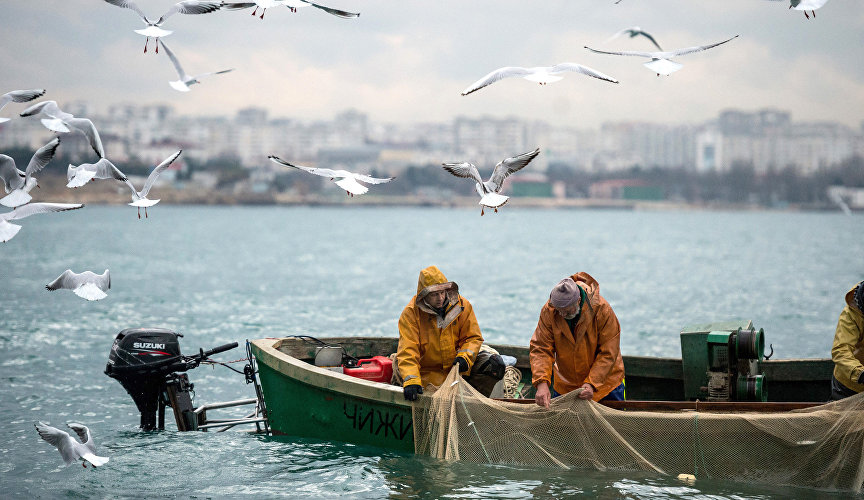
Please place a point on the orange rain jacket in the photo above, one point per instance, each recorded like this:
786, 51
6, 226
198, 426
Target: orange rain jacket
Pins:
591, 355
848, 349
428, 343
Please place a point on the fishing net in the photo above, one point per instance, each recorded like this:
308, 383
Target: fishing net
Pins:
817, 447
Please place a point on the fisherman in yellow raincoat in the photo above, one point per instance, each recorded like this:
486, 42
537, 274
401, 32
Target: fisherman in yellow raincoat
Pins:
576, 344
848, 349
437, 330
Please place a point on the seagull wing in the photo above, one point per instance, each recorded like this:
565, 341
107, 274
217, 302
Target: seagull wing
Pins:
506, 167
47, 108
466, 170
189, 7
372, 180
498, 74
616, 35
106, 170
87, 128
129, 4
700, 48
38, 208
156, 171
9, 173
60, 439
83, 435
41, 158
578, 68
652, 55
238, 5
67, 280
182, 74
323, 172
648, 36
213, 73
20, 96
336, 12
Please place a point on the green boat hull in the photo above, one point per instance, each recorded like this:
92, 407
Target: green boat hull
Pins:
307, 401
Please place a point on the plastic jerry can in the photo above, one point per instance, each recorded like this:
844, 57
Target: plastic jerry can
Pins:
375, 369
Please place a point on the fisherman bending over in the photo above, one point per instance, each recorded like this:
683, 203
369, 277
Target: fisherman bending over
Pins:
848, 349
576, 344
437, 330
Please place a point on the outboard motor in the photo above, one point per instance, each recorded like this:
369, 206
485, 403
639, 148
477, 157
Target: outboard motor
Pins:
145, 362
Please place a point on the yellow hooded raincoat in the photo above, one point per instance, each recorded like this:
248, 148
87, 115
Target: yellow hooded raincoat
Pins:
428, 343
848, 349
592, 354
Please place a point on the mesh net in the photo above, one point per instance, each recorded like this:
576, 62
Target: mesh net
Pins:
817, 447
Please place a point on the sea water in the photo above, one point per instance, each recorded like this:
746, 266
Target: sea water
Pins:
226, 274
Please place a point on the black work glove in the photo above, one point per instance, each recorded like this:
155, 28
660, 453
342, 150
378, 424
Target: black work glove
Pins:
411, 392
463, 365
861, 378
496, 363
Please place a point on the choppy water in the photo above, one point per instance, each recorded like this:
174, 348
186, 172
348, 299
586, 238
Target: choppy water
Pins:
223, 274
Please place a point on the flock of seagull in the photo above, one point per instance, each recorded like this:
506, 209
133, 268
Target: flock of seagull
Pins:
91, 286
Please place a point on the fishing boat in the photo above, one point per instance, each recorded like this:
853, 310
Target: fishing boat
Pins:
306, 400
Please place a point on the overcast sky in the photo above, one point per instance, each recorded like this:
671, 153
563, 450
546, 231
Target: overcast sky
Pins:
408, 60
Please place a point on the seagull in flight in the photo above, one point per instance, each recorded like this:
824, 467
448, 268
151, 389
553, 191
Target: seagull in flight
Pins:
102, 169
805, 5
540, 74
70, 449
19, 96
9, 230
633, 33
57, 120
87, 285
153, 29
489, 191
661, 62
346, 180
185, 79
293, 5
19, 184
139, 198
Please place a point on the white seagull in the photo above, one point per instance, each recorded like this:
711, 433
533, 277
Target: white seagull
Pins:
633, 32
805, 5
70, 449
19, 96
661, 62
139, 198
87, 285
9, 230
293, 5
19, 184
347, 180
185, 79
153, 29
489, 191
102, 169
541, 75
57, 120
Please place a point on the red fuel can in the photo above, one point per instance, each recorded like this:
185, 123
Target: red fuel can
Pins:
375, 369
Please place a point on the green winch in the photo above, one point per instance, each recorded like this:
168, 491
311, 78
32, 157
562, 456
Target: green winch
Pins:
722, 361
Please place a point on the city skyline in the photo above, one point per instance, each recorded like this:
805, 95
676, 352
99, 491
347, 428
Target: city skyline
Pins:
407, 62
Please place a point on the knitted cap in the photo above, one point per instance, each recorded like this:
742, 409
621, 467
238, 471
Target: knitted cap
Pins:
859, 297
565, 294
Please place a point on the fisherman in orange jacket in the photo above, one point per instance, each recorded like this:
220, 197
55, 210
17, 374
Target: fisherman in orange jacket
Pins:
437, 330
576, 344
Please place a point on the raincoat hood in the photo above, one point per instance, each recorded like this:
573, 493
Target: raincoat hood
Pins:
432, 280
850, 299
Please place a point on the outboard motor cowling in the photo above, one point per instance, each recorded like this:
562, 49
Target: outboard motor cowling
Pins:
140, 358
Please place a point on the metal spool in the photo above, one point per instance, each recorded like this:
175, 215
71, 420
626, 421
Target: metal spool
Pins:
750, 344
751, 388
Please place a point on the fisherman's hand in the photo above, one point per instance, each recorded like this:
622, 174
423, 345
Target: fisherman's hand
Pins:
497, 365
463, 365
543, 397
411, 392
587, 391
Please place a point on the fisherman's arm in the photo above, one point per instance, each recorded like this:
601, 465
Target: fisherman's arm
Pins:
848, 335
608, 347
470, 338
408, 352
542, 358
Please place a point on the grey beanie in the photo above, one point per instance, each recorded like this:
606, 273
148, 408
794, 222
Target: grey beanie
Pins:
565, 294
